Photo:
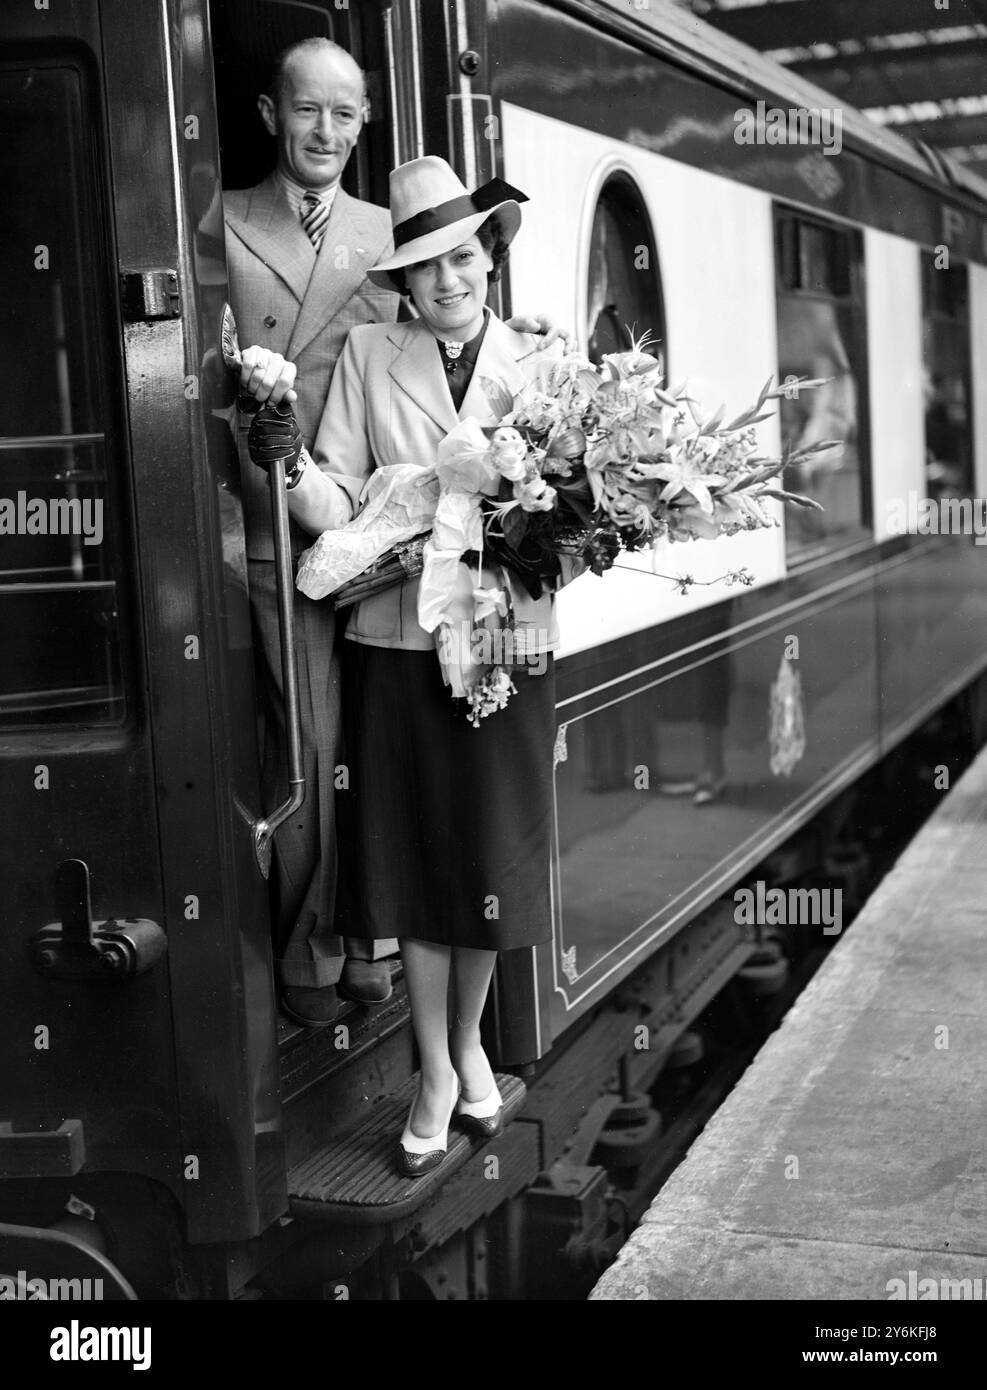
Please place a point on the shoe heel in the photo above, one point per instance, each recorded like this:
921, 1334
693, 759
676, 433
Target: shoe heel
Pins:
419, 1156
484, 1118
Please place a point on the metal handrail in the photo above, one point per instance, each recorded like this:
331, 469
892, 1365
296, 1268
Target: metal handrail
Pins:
265, 827
48, 441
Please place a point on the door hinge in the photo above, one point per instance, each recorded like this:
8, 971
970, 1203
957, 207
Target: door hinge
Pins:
150, 294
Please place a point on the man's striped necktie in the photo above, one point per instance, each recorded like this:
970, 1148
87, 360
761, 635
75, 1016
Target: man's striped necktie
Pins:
314, 215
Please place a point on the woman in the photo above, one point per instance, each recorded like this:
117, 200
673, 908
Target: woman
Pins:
448, 825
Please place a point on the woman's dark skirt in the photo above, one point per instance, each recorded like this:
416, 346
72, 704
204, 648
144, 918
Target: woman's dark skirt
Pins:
445, 829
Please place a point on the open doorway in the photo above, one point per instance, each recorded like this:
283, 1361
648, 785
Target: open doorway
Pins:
247, 35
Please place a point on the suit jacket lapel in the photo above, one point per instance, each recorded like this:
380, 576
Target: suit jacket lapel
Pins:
350, 248
417, 369
275, 235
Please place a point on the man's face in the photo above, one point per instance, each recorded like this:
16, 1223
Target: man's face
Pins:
318, 117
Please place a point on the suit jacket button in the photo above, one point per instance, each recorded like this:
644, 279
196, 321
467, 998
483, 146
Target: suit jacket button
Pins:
270, 321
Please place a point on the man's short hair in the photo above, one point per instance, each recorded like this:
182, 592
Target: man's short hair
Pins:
312, 45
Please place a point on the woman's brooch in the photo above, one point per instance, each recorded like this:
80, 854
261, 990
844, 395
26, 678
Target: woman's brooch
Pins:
453, 352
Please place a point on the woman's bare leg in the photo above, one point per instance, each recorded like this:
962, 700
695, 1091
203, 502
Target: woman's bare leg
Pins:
469, 983
426, 977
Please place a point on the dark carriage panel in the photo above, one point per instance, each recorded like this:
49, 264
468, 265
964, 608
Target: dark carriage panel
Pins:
637, 857
884, 638
932, 616
135, 699
562, 65
76, 764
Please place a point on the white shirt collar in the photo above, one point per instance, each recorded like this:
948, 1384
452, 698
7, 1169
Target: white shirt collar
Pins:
295, 192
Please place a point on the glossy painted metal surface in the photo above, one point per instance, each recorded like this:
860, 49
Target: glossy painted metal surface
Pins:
883, 640
932, 626
174, 1073
75, 1050
564, 67
159, 75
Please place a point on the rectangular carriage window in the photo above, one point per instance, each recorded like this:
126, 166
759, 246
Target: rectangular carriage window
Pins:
822, 333
946, 363
60, 571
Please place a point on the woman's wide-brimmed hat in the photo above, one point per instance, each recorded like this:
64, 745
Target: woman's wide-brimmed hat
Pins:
433, 211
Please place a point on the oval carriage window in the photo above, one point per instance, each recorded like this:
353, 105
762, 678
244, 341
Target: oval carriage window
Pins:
624, 292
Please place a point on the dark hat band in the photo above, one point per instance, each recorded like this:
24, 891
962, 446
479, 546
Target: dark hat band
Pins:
455, 210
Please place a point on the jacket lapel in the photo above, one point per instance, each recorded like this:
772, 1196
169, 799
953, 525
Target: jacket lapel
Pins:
352, 245
275, 236
417, 369
496, 366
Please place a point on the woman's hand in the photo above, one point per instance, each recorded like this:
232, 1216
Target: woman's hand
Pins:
267, 376
543, 326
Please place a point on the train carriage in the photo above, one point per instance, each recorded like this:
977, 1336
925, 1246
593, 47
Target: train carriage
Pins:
153, 1106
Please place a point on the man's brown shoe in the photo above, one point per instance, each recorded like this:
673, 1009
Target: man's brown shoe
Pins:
311, 1007
365, 981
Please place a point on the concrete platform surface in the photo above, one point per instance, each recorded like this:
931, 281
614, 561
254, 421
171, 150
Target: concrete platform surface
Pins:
853, 1152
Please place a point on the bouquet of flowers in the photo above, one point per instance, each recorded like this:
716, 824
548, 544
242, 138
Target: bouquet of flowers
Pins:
584, 462
592, 461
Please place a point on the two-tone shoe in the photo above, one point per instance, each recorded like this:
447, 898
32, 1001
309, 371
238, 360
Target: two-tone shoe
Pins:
483, 1118
419, 1156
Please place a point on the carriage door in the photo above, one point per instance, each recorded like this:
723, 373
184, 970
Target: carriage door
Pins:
137, 1011
87, 1065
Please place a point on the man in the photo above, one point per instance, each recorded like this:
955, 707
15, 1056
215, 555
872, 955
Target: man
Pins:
298, 248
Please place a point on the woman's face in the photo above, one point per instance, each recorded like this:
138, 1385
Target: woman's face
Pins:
449, 291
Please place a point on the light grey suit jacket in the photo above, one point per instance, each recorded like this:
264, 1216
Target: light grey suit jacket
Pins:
286, 298
389, 403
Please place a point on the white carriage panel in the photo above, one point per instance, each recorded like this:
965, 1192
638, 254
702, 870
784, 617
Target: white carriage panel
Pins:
894, 367
720, 323
978, 372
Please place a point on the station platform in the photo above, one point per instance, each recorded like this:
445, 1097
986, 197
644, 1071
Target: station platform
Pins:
850, 1161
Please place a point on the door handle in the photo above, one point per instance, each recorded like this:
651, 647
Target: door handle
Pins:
77, 948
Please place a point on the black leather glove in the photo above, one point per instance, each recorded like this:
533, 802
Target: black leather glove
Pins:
273, 435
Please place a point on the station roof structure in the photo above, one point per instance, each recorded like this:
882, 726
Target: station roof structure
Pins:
917, 67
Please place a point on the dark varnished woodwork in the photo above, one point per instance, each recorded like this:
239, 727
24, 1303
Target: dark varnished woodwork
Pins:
202, 711
109, 1060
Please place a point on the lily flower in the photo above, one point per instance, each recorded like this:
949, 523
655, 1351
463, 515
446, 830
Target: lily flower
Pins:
684, 477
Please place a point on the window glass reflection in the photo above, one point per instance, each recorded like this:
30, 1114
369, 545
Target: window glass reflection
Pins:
59, 568
624, 291
821, 333
946, 364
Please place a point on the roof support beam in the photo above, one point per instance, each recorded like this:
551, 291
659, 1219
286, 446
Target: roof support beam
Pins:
947, 132
931, 73
802, 22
